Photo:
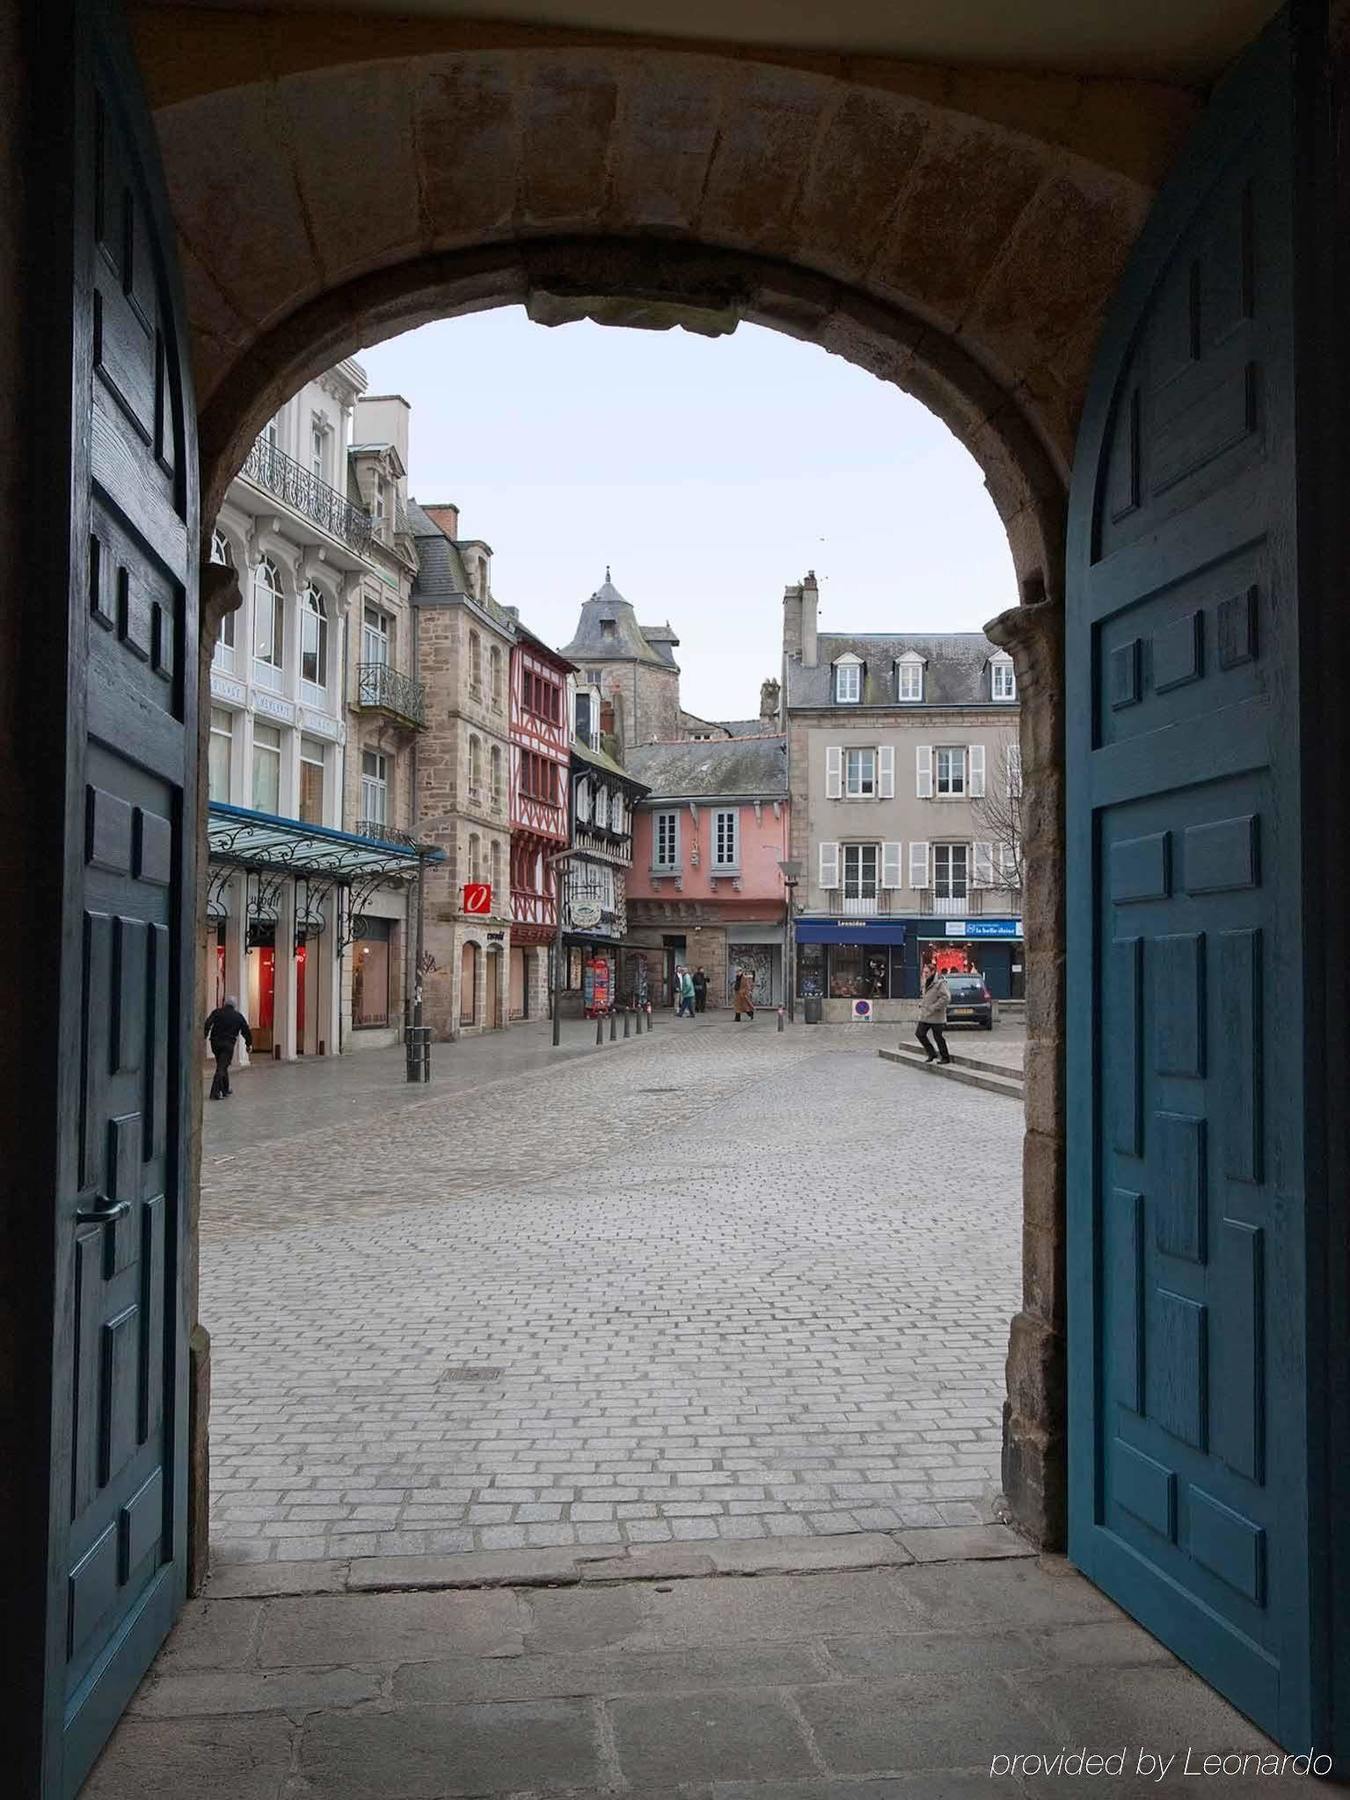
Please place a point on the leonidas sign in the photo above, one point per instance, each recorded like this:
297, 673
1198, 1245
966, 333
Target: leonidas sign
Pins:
478, 898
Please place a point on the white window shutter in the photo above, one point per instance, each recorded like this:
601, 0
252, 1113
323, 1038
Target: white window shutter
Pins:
834, 772
890, 865
976, 771
829, 866
1014, 770
886, 771
923, 771
1008, 853
984, 865
918, 865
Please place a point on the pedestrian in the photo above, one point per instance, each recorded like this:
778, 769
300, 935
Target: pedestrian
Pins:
224, 1028
743, 995
700, 990
933, 1004
686, 1010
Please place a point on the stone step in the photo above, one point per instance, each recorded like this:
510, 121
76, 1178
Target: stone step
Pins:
976, 1078
1008, 1070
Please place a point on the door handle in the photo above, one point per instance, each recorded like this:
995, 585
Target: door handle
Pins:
102, 1215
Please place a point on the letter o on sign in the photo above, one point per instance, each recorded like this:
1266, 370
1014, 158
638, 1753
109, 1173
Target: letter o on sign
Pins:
478, 897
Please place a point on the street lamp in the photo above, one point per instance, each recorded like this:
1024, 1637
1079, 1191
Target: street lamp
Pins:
556, 863
792, 874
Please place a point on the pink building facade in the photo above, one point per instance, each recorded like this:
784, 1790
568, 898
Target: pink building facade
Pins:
705, 887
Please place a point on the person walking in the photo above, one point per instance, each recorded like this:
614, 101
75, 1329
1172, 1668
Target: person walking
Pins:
933, 1004
686, 1008
224, 1028
700, 990
743, 995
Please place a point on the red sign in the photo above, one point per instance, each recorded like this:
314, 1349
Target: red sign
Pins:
478, 897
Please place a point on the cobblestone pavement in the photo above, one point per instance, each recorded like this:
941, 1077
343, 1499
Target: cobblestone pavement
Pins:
718, 1282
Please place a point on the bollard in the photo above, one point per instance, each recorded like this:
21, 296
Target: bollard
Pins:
626, 1019
780, 1018
417, 1040
613, 1026
599, 1028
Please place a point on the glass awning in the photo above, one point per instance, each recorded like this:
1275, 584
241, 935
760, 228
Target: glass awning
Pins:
243, 839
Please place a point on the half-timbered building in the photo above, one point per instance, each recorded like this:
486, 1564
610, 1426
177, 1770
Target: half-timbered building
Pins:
541, 734
595, 892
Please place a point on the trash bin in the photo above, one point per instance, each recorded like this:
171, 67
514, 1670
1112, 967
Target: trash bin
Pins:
417, 1039
811, 1009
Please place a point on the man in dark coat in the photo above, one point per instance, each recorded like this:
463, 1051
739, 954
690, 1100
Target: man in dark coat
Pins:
700, 991
224, 1027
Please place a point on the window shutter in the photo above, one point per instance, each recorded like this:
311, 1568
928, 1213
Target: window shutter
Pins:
829, 866
984, 866
1014, 770
918, 865
923, 771
1008, 853
834, 772
890, 865
976, 771
886, 771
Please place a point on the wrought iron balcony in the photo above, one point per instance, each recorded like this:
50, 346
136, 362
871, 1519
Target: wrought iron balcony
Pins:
381, 688
859, 906
302, 490
386, 833
952, 906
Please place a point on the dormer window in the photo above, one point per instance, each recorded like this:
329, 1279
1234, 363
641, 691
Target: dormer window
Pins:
848, 680
609, 628
1002, 678
909, 677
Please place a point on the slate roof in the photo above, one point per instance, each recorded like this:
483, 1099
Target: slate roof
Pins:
956, 672
441, 574
600, 759
629, 644
749, 768
749, 728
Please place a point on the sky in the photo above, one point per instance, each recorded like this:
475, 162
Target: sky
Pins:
707, 474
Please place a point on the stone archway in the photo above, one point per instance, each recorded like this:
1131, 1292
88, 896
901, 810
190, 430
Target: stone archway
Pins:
962, 257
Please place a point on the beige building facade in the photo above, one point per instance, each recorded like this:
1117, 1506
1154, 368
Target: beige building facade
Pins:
905, 778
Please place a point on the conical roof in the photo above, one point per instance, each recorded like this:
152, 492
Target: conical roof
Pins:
608, 631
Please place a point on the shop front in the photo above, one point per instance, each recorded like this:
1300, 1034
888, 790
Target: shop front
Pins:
991, 948
842, 961
757, 950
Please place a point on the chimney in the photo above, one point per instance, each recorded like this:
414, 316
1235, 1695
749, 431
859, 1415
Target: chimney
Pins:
445, 514
810, 607
792, 620
768, 699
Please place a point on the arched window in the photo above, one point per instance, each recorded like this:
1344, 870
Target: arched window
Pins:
495, 669
268, 616
475, 857
496, 763
222, 554
496, 867
314, 638
475, 664
476, 770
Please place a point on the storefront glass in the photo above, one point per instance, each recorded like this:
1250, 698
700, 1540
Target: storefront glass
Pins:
810, 970
372, 968
858, 972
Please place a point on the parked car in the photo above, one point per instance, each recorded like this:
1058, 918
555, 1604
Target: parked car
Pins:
971, 1002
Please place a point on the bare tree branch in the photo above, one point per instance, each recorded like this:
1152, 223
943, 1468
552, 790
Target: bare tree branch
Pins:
999, 812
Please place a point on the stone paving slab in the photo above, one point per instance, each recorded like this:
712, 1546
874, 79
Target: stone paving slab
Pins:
885, 1684
719, 1288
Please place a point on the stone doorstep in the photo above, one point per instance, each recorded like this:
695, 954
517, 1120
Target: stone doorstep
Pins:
1009, 1071
573, 1565
975, 1078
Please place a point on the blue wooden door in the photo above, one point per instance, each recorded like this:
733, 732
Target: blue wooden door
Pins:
121, 640
1190, 1488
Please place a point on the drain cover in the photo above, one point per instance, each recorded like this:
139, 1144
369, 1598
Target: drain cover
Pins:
471, 1372
658, 1090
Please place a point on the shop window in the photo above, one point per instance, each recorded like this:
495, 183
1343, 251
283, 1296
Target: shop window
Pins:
860, 871
951, 871
860, 774
951, 769
858, 972
372, 974
312, 758
810, 970
266, 768
726, 839
314, 639
220, 753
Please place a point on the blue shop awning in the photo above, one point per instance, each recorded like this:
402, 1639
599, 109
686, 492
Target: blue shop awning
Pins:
849, 931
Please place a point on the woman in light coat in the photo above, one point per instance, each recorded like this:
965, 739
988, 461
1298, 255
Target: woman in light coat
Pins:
933, 1004
743, 995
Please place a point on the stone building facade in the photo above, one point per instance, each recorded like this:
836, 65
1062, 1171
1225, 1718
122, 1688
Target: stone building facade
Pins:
541, 738
632, 666
464, 640
905, 770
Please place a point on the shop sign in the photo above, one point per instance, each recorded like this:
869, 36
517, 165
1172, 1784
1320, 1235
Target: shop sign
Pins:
984, 928
478, 898
496, 937
585, 914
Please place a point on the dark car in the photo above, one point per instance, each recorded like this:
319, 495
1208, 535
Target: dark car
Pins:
971, 1002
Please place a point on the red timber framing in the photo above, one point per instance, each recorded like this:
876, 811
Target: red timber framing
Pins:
540, 750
